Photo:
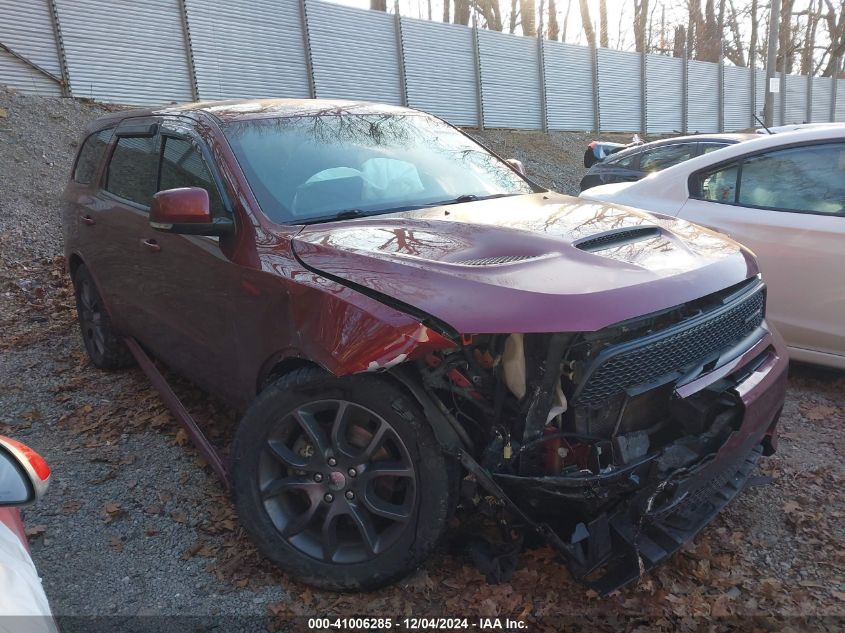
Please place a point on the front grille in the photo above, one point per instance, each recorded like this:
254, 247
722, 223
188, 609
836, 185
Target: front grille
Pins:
492, 261
665, 355
617, 238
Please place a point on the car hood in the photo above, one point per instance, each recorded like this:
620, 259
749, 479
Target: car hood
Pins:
524, 264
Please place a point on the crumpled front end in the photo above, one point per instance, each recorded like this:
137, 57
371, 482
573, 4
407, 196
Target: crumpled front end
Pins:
623, 442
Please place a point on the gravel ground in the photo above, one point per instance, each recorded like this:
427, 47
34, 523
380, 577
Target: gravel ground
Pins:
135, 524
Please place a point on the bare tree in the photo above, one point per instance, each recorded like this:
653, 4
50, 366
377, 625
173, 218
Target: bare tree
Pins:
514, 15
446, 11
565, 20
786, 40
553, 28
587, 22
640, 23
378, 5
529, 19
463, 10
836, 34
603, 24
808, 45
491, 13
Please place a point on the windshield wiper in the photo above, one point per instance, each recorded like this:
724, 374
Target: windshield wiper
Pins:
346, 214
469, 197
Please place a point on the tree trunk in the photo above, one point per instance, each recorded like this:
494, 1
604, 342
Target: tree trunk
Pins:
680, 41
809, 45
462, 12
603, 24
529, 19
553, 29
836, 33
640, 25
446, 11
587, 22
752, 44
378, 5
489, 10
786, 45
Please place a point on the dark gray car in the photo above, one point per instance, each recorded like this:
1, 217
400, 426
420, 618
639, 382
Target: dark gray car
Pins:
637, 161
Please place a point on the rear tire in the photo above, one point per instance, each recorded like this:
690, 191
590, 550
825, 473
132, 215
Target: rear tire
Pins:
340, 481
105, 348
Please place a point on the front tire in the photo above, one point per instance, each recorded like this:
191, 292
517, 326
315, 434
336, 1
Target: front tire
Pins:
105, 348
340, 481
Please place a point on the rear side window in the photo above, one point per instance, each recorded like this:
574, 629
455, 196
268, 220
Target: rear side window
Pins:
718, 185
663, 157
90, 155
133, 169
182, 165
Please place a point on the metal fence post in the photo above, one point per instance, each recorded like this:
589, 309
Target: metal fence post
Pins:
400, 49
544, 103
752, 72
479, 88
189, 50
60, 48
643, 93
596, 102
685, 91
809, 113
721, 85
306, 42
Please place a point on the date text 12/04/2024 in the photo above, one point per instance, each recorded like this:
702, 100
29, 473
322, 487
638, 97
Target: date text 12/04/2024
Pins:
414, 624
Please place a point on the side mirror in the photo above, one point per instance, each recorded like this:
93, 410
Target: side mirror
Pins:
24, 475
517, 165
186, 210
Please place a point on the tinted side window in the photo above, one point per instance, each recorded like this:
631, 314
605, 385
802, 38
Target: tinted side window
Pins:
663, 157
182, 165
90, 155
133, 169
718, 185
809, 179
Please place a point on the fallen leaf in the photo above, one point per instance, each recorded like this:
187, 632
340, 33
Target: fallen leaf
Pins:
35, 531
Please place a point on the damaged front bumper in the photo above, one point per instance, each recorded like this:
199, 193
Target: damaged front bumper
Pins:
613, 527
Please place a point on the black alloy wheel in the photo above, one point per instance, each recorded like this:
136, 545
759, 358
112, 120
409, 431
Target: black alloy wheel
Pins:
340, 481
105, 347
337, 481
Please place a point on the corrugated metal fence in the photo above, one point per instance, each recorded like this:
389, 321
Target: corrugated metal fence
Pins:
160, 51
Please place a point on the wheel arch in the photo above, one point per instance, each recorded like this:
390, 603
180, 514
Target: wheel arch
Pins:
73, 263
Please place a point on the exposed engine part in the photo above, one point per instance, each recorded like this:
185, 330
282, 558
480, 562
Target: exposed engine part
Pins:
513, 364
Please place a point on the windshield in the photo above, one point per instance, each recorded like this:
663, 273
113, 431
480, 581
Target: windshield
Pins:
312, 168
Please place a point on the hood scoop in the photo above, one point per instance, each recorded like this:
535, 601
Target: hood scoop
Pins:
493, 261
616, 238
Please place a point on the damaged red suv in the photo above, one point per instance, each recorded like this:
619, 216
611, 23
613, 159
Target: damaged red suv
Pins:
408, 322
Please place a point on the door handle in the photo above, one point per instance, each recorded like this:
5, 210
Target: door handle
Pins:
87, 219
151, 245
